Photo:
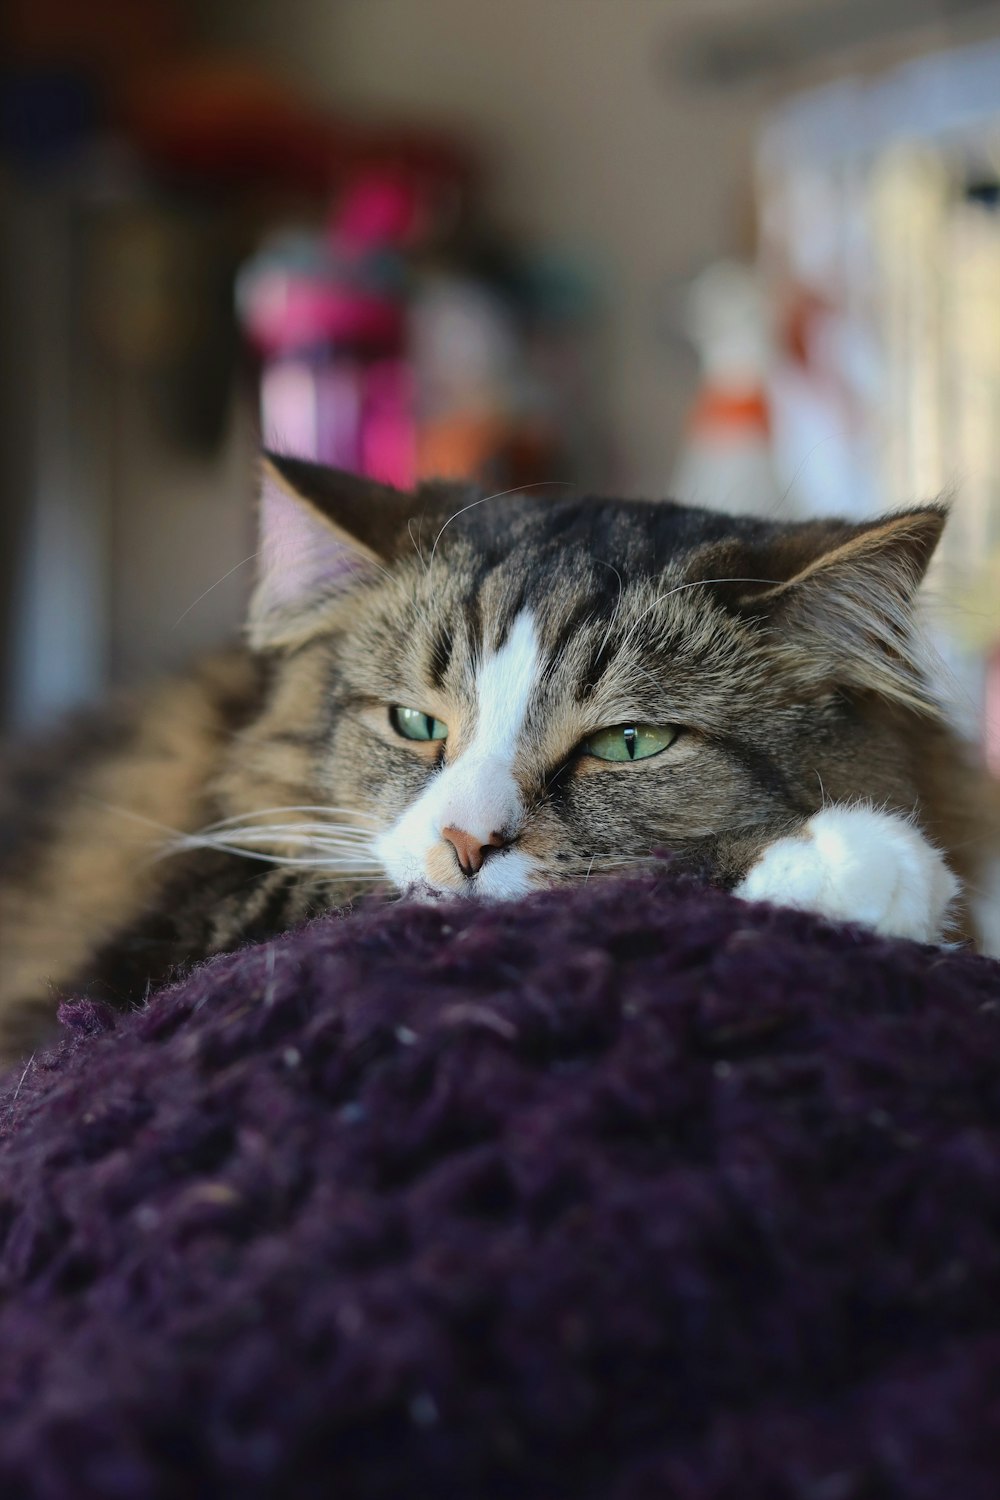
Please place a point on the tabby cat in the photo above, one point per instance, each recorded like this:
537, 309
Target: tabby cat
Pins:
455, 696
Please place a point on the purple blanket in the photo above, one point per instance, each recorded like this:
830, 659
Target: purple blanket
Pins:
630, 1193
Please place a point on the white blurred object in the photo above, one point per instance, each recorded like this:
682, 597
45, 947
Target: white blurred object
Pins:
822, 385
727, 460
726, 322
464, 348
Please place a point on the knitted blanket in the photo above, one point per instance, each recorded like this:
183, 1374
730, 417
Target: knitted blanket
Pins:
630, 1192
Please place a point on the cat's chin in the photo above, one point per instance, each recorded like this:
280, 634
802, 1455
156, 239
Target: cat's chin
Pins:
431, 895
428, 895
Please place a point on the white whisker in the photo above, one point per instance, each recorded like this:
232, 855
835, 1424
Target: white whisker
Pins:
696, 583
516, 489
331, 832
346, 861
416, 539
378, 568
302, 807
235, 568
263, 837
135, 817
331, 848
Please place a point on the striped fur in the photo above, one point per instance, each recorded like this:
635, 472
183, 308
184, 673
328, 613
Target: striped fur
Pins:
271, 784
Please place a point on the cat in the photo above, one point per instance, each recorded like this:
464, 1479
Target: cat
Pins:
452, 695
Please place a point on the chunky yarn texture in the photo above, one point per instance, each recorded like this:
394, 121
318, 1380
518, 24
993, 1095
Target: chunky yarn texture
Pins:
630, 1192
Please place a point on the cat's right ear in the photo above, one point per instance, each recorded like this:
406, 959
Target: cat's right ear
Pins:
320, 532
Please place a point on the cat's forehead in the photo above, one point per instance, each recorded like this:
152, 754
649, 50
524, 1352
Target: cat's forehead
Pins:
570, 564
605, 589
638, 537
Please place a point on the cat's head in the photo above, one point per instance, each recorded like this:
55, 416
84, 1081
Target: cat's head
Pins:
490, 694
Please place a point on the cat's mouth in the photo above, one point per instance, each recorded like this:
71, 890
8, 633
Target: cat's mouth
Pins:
514, 874
506, 878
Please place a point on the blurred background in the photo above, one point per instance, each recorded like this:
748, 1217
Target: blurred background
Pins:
742, 252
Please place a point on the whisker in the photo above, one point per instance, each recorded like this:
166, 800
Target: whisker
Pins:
416, 539
235, 568
346, 862
679, 588
230, 825
318, 832
516, 489
347, 853
135, 817
303, 807
309, 854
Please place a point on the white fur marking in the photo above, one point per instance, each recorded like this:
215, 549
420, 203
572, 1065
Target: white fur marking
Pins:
505, 682
853, 864
477, 792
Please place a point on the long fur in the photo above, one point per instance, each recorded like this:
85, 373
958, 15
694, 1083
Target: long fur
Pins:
253, 792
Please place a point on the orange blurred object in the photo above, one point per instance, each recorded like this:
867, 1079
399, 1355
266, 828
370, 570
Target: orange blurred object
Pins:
458, 447
471, 447
720, 413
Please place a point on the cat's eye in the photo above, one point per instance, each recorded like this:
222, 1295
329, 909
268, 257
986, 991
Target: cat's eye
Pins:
414, 724
630, 741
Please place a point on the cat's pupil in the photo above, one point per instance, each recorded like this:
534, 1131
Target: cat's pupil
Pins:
630, 740
415, 724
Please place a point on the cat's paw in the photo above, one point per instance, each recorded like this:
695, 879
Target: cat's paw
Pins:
852, 864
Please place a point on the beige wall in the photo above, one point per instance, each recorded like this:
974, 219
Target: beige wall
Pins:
593, 144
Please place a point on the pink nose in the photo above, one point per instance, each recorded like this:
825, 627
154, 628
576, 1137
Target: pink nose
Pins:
470, 851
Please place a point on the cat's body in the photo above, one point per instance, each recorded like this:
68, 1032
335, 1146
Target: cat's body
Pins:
451, 696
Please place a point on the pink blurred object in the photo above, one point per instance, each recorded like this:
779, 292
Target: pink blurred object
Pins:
289, 311
340, 398
313, 410
343, 413
379, 210
329, 316
388, 424
288, 416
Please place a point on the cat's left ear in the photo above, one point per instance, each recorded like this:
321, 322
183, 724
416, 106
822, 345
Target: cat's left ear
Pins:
847, 607
320, 532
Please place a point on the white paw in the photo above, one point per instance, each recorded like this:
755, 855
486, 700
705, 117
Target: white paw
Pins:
852, 864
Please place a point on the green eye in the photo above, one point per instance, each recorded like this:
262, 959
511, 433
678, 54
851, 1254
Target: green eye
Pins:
413, 724
630, 742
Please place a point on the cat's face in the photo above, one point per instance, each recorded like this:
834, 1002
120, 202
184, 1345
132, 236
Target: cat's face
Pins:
523, 692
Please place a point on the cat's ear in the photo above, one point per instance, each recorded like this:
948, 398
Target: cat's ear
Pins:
847, 605
320, 532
